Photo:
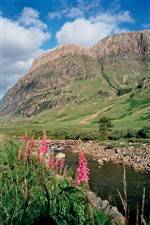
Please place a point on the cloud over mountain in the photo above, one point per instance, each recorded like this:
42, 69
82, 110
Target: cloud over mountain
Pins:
21, 42
87, 32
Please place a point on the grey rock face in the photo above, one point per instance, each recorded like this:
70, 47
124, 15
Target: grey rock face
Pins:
100, 204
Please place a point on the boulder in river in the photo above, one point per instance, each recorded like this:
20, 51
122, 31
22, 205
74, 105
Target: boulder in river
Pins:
57, 148
60, 156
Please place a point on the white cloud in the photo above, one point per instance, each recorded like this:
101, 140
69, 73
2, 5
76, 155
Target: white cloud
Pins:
87, 32
69, 12
75, 12
53, 15
30, 17
88, 6
83, 32
21, 42
107, 17
79, 10
125, 17
57, 14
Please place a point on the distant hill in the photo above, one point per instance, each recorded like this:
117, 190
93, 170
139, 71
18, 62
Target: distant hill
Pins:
81, 84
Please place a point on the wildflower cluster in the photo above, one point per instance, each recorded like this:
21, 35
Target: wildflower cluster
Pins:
44, 146
29, 144
57, 164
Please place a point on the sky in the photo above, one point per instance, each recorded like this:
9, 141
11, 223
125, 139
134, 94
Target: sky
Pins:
30, 27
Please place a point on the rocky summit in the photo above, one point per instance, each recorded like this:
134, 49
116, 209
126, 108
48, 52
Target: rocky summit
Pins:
71, 74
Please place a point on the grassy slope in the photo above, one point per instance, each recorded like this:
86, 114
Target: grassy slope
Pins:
80, 103
83, 114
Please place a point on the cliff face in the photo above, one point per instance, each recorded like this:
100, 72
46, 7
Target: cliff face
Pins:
117, 62
134, 43
58, 53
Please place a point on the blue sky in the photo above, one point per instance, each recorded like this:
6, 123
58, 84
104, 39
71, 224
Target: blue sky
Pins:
29, 27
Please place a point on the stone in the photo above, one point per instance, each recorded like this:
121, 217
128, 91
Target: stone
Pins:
100, 162
60, 156
99, 203
105, 204
92, 198
57, 148
117, 216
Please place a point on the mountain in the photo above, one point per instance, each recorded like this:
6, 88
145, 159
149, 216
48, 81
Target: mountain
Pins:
111, 78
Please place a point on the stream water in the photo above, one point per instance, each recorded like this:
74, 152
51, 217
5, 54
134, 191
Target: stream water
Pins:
107, 180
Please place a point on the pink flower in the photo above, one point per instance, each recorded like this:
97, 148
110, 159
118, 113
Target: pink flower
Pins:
25, 137
26, 151
33, 142
82, 170
44, 146
56, 164
51, 163
62, 164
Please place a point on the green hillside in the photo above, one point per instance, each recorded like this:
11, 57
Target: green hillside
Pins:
72, 87
127, 111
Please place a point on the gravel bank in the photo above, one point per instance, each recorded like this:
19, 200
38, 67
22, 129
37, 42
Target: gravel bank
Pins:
136, 157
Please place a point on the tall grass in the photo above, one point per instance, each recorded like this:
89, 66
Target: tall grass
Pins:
140, 220
32, 194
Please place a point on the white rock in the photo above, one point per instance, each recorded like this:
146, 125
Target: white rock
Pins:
60, 156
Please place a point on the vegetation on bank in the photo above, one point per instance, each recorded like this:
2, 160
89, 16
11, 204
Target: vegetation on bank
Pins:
113, 137
139, 135
32, 193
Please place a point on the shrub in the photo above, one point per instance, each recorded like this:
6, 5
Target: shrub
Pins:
116, 135
105, 125
74, 134
122, 91
144, 132
130, 133
37, 133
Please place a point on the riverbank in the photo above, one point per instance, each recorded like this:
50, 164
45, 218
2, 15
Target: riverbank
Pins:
136, 157
52, 193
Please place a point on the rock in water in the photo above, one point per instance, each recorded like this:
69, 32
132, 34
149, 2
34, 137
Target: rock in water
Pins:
60, 156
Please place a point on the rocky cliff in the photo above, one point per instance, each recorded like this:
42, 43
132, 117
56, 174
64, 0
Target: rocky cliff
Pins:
58, 53
134, 43
114, 63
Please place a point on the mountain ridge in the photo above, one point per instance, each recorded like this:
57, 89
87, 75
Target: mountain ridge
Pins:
114, 63
114, 40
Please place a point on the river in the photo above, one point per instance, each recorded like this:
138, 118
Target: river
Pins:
107, 180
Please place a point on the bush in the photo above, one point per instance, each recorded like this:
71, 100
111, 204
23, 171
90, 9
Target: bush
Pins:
65, 133
144, 132
116, 135
105, 126
37, 133
130, 133
122, 91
